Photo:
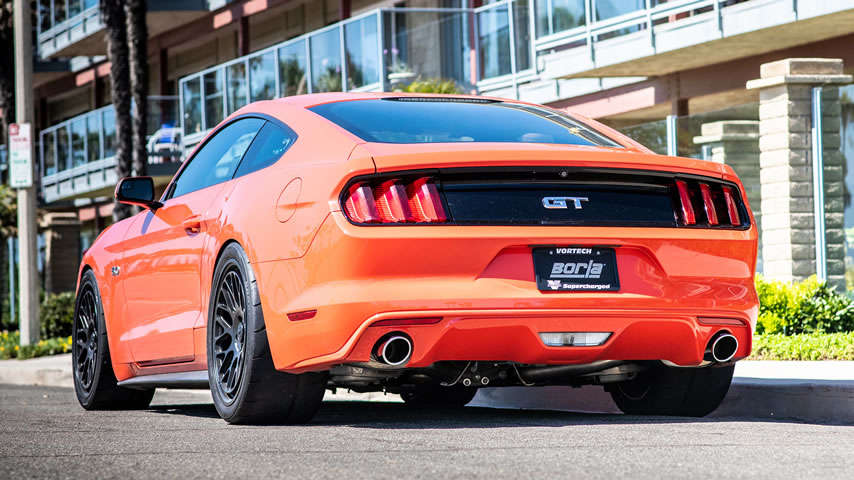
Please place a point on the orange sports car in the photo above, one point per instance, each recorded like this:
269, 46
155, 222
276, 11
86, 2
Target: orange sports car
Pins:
421, 245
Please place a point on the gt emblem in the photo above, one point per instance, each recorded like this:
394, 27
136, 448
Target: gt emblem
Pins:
115, 271
561, 202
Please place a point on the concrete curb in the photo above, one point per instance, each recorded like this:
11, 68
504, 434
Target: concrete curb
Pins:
815, 392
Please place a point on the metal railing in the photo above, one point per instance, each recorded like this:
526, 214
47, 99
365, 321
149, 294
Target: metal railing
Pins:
61, 22
80, 152
375, 51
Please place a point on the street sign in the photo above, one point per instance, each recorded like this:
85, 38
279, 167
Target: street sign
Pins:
20, 155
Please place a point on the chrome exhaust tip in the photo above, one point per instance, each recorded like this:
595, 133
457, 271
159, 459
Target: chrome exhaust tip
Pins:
722, 347
394, 351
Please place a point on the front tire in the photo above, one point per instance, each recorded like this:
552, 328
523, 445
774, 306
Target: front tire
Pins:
245, 386
685, 392
94, 381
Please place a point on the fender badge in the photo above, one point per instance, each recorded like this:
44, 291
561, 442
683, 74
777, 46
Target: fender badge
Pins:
115, 271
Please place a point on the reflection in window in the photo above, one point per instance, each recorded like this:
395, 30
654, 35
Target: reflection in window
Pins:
521, 30
78, 142
494, 28
606, 9
108, 120
192, 106
292, 69
74, 7
326, 62
44, 15
214, 94
49, 153
93, 138
58, 12
360, 40
235, 82
262, 77
62, 157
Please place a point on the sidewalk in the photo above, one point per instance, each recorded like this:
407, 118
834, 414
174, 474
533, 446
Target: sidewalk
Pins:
820, 392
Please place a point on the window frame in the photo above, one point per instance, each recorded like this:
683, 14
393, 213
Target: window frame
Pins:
170, 189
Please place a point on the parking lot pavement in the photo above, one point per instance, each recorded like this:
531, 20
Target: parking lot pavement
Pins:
45, 434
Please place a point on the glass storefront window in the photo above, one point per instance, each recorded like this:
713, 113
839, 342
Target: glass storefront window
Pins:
93, 138
494, 28
49, 153
326, 61
78, 142
235, 87
262, 77
292, 70
62, 156
360, 41
108, 120
214, 95
192, 106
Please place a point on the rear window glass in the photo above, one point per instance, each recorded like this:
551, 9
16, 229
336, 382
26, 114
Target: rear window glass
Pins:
422, 120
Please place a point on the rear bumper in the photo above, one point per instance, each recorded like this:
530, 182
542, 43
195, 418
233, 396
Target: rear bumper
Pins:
480, 281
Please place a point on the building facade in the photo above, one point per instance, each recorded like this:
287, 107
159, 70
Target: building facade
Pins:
672, 74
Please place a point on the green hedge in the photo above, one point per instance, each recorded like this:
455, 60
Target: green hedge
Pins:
804, 346
807, 307
10, 346
57, 315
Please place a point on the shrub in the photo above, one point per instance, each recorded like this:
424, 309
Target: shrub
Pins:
10, 346
433, 85
806, 346
57, 315
807, 307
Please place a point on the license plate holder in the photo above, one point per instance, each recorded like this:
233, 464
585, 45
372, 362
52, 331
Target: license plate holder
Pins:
576, 269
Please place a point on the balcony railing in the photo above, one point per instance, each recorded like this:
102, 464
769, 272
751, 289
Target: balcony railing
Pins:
78, 155
4, 162
376, 51
61, 22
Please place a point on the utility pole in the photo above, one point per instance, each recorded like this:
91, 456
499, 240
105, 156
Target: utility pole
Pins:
27, 228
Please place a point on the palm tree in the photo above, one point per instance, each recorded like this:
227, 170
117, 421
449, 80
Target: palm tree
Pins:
137, 33
115, 25
7, 68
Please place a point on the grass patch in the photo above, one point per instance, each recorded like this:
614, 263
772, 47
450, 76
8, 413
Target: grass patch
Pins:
805, 346
10, 346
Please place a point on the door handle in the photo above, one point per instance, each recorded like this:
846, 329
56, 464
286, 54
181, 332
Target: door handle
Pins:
192, 224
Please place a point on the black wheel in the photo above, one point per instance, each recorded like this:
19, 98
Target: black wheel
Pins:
245, 386
437, 395
94, 380
686, 392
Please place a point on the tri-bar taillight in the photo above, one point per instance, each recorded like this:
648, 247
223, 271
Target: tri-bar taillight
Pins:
709, 204
395, 200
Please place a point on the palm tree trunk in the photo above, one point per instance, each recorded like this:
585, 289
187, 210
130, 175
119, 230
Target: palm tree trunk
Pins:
113, 15
7, 69
138, 40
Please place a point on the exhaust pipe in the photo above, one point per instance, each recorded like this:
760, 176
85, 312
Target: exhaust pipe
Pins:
394, 350
721, 348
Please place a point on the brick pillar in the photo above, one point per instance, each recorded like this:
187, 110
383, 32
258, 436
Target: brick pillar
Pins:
786, 177
736, 143
62, 251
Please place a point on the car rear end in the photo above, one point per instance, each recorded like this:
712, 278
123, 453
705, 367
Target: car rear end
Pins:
541, 260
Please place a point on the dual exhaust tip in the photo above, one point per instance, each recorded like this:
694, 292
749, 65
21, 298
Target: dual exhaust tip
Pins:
721, 348
394, 349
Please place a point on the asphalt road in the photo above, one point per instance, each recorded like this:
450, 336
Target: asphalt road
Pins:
45, 434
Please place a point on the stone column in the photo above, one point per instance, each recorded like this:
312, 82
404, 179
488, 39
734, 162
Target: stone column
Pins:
62, 251
786, 176
736, 143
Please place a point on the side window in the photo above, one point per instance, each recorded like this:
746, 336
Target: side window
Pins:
217, 159
271, 143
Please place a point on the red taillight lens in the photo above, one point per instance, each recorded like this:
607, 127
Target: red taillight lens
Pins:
425, 202
688, 217
720, 203
395, 200
731, 206
360, 204
708, 204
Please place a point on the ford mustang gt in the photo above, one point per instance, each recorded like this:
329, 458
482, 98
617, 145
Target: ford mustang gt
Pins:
426, 246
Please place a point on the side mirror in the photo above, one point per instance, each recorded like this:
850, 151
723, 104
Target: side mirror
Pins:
137, 191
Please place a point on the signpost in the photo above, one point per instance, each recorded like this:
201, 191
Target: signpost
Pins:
20, 155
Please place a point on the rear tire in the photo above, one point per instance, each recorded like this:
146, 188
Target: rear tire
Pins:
437, 395
686, 392
94, 381
245, 386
